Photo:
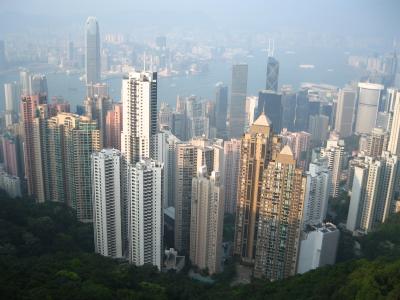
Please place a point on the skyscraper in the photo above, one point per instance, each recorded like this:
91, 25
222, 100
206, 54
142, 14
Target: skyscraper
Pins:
345, 112
373, 196
237, 117
221, 108
139, 101
11, 103
377, 142
207, 215
166, 154
369, 95
279, 226
288, 108
114, 127
92, 51
186, 156
82, 141
255, 154
32, 147
97, 104
106, 180
300, 143
394, 139
302, 111
231, 173
189, 158
334, 152
318, 127
145, 221
272, 74
270, 102
316, 193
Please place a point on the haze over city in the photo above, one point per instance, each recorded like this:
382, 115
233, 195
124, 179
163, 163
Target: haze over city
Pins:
199, 149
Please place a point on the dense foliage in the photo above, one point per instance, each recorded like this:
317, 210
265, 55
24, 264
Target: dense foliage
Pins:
46, 254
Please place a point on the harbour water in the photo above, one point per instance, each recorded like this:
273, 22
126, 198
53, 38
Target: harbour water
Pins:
330, 67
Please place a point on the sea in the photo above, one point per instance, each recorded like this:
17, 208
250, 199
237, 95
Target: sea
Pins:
328, 66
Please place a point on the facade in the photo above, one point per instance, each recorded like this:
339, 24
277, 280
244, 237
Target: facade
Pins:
316, 193
232, 161
221, 109
272, 74
92, 51
11, 103
10, 154
302, 111
318, 127
345, 112
369, 95
114, 127
189, 158
270, 102
300, 143
207, 216
377, 142
318, 247
279, 226
288, 108
186, 156
394, 139
82, 141
32, 147
10, 184
139, 101
255, 154
106, 180
334, 153
374, 192
237, 105
166, 153
145, 217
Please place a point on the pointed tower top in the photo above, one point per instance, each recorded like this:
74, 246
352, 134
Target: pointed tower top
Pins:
286, 156
286, 151
262, 120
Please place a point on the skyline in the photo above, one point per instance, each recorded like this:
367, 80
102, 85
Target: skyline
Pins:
233, 154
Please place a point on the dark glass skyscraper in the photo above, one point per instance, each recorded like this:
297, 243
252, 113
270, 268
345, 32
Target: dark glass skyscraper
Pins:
92, 51
272, 74
302, 111
270, 103
237, 107
221, 108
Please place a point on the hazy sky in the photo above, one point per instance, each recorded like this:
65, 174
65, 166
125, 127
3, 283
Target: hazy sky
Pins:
363, 17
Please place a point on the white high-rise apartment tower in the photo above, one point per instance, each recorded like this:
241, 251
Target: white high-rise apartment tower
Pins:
334, 152
207, 216
373, 192
106, 172
317, 193
145, 216
369, 95
139, 100
394, 139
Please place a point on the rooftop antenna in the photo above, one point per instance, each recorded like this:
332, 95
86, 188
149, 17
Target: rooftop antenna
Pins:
151, 63
273, 47
144, 61
269, 48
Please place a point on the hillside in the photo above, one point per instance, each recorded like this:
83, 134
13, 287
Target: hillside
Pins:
46, 254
